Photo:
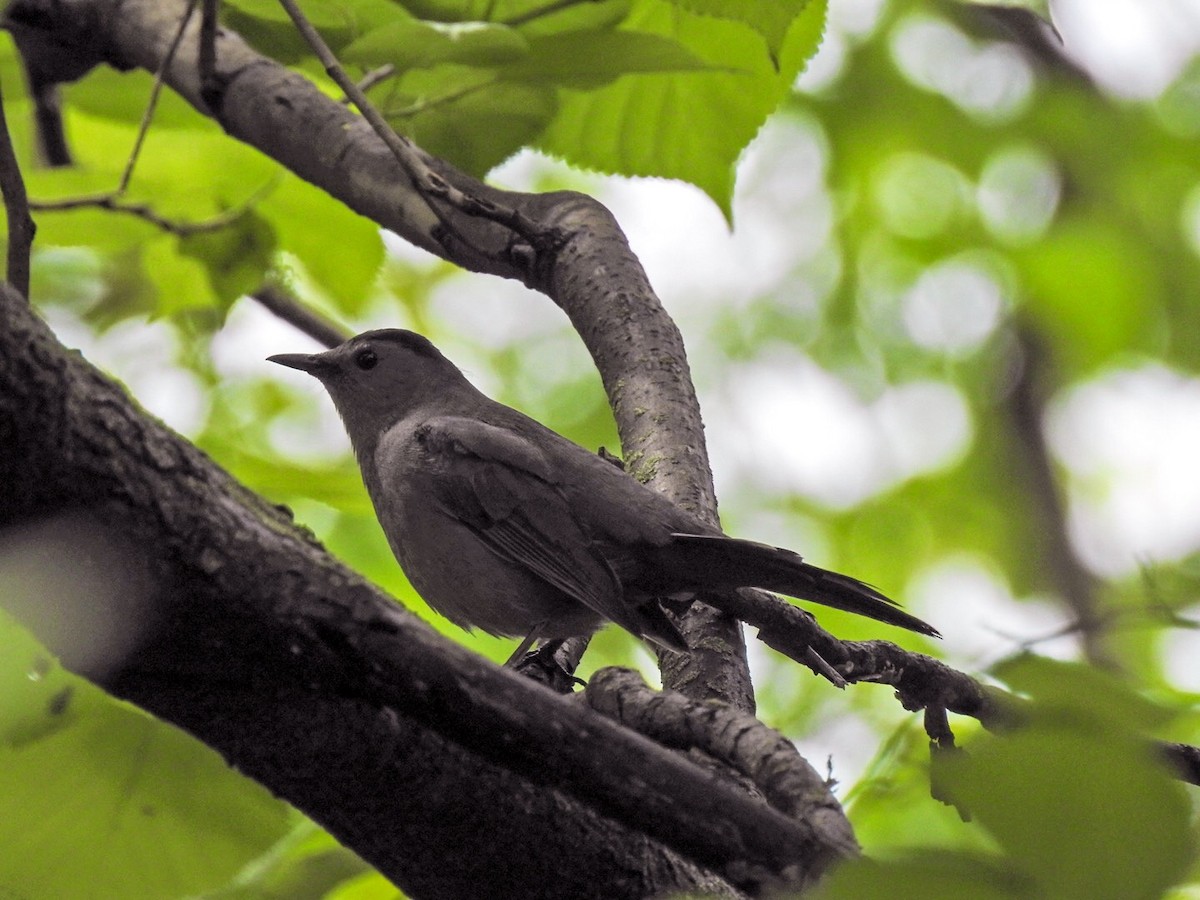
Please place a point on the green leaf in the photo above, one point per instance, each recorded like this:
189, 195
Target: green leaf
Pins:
369, 886
37, 697
693, 125
340, 249
1076, 797
594, 15
96, 797
770, 18
320, 13
454, 10
1088, 815
307, 864
478, 128
181, 282
410, 43
476, 119
926, 874
588, 59
124, 96
128, 292
266, 25
235, 258
1102, 696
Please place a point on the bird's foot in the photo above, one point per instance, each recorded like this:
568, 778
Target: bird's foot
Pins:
543, 666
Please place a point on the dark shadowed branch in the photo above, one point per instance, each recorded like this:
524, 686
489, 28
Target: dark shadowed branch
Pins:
21, 227
284, 305
1026, 402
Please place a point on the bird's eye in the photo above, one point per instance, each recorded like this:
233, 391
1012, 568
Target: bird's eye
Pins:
366, 359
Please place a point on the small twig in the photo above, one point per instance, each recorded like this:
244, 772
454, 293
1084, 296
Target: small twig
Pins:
372, 78
111, 200
287, 307
113, 203
207, 55
821, 667
21, 227
152, 103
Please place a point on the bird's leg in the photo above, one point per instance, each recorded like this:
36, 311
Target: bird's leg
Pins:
523, 647
545, 667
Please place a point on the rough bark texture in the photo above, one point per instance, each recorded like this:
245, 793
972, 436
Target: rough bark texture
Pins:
640, 356
444, 771
306, 678
586, 267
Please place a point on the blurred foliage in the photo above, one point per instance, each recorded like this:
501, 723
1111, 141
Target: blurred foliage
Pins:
1082, 754
101, 800
980, 222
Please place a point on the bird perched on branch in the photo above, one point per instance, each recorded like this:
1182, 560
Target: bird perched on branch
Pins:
504, 525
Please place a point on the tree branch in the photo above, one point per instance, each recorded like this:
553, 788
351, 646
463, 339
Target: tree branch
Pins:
1025, 404
304, 319
236, 626
21, 227
588, 269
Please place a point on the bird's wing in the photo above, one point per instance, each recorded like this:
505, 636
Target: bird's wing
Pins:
497, 483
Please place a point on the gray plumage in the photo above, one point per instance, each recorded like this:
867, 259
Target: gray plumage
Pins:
504, 525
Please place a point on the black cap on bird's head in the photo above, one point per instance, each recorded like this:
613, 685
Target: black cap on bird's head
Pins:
376, 377
362, 352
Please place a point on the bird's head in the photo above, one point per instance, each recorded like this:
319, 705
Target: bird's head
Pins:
379, 377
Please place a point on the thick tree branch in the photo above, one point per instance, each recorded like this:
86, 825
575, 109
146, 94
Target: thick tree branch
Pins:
588, 270
768, 761
239, 628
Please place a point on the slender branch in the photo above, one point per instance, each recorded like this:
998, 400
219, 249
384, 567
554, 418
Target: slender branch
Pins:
1076, 586
112, 202
206, 59
152, 102
374, 77
311, 322
425, 104
21, 227
401, 147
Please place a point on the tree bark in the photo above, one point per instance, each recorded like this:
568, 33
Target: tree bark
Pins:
452, 776
232, 624
587, 269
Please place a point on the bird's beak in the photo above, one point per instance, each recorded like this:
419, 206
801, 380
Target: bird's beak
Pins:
305, 362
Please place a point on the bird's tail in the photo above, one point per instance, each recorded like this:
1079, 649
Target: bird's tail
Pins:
717, 561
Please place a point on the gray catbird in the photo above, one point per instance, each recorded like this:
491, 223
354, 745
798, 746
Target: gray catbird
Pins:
504, 525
